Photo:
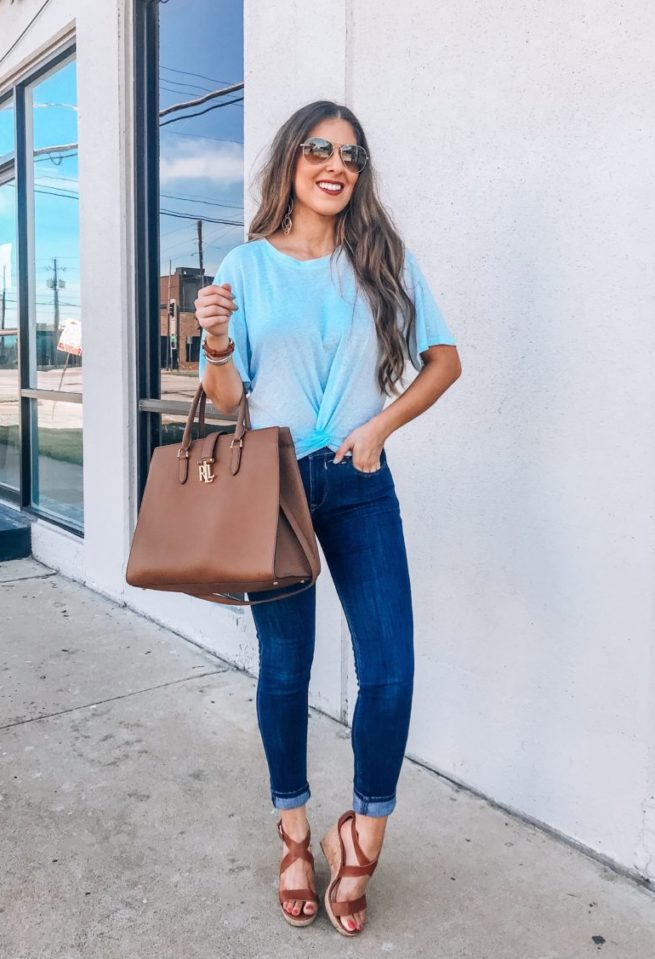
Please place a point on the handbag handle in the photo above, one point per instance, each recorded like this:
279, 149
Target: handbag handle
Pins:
198, 405
243, 412
243, 424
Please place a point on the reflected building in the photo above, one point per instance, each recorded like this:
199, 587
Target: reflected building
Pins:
179, 328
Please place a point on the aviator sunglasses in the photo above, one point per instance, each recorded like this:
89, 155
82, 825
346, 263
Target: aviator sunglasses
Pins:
317, 150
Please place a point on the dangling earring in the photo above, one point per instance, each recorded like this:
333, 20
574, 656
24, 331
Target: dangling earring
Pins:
287, 222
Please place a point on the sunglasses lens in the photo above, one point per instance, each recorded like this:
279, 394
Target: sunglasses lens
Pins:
317, 149
354, 157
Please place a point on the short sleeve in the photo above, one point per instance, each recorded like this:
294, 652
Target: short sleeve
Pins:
230, 272
430, 328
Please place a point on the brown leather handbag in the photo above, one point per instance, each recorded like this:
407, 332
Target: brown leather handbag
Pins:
224, 515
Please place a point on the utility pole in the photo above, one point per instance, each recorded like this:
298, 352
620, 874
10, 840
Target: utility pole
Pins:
56, 298
56, 283
200, 251
169, 357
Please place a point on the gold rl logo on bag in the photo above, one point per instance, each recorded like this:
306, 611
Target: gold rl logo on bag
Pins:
205, 470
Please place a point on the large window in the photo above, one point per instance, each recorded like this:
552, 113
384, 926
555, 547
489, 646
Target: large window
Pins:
190, 186
40, 318
9, 381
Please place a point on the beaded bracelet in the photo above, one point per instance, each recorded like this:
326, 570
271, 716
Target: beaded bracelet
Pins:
218, 354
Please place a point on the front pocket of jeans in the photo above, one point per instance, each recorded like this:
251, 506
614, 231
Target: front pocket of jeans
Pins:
349, 459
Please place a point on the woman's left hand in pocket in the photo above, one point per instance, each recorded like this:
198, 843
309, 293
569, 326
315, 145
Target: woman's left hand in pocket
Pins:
365, 443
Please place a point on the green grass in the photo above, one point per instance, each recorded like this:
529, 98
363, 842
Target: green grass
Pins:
63, 444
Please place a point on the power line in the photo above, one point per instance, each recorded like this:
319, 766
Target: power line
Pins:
181, 83
21, 35
48, 302
188, 116
190, 73
163, 235
70, 195
55, 148
63, 156
53, 191
168, 89
215, 237
72, 179
200, 100
42, 155
62, 196
207, 219
196, 199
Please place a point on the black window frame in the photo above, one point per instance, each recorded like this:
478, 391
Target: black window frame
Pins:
150, 405
18, 165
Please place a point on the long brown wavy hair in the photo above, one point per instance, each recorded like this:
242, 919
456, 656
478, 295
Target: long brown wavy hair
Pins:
363, 229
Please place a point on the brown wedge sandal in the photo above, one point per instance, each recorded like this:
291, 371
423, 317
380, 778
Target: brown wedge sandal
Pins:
297, 850
335, 853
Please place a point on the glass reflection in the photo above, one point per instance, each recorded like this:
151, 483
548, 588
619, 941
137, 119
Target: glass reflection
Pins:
55, 316
9, 384
172, 427
201, 171
57, 460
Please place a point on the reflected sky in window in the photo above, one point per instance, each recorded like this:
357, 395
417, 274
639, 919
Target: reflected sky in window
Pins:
51, 109
201, 145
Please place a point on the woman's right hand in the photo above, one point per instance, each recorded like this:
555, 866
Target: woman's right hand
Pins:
214, 307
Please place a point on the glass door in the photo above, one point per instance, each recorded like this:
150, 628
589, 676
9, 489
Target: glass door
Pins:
54, 388
40, 312
9, 380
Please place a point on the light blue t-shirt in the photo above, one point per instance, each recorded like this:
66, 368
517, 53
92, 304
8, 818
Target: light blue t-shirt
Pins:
305, 341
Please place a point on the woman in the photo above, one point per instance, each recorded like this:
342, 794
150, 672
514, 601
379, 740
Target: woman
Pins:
323, 304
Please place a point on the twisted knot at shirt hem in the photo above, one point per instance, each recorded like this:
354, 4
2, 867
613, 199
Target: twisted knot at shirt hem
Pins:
305, 341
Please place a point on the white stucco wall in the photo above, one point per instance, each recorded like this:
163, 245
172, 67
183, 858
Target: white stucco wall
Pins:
532, 208
514, 144
515, 148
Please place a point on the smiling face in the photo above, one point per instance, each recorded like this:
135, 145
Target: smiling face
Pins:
309, 174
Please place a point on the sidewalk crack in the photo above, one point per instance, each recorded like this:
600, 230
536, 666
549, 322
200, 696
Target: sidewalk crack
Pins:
22, 579
111, 699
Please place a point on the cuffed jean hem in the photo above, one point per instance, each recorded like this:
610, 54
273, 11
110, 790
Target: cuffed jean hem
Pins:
290, 802
373, 807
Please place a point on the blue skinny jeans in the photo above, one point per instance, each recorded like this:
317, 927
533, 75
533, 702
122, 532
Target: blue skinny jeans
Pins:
356, 516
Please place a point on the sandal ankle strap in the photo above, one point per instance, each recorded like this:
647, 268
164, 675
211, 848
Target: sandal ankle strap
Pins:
366, 865
366, 870
297, 849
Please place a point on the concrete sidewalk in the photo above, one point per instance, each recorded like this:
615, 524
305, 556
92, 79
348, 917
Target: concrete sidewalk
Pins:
136, 819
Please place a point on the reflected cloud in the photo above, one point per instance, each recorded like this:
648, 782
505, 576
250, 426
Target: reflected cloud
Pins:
215, 162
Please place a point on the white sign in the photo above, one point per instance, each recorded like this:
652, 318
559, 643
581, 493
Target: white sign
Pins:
70, 340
